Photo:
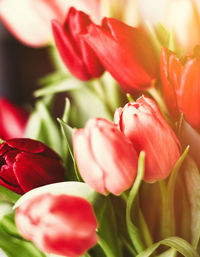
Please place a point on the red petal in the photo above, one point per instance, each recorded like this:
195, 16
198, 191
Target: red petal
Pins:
119, 58
68, 51
33, 170
12, 120
167, 85
188, 94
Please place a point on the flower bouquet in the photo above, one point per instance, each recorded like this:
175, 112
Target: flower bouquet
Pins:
116, 172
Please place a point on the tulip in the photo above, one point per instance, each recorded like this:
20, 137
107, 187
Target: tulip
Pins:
77, 55
30, 20
13, 120
183, 18
26, 164
143, 123
63, 224
181, 87
105, 157
126, 52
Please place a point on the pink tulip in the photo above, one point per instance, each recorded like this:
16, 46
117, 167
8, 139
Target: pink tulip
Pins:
106, 159
143, 123
13, 120
30, 20
62, 224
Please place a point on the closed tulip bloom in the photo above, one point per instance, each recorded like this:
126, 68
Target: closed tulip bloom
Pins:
181, 87
76, 54
143, 123
26, 164
183, 18
106, 159
62, 224
13, 120
125, 51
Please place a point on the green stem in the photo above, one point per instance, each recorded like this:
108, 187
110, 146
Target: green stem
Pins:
132, 229
99, 87
108, 252
144, 227
165, 230
128, 246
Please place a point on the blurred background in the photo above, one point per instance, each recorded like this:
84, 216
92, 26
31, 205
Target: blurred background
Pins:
21, 67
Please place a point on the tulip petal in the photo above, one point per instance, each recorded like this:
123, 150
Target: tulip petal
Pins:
26, 144
65, 230
70, 55
33, 170
89, 170
188, 94
12, 120
115, 155
167, 85
143, 123
121, 58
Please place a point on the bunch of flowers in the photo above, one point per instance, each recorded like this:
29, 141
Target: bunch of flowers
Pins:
117, 174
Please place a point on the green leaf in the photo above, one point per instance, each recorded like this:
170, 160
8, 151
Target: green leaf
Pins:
169, 253
168, 224
42, 127
107, 231
179, 244
8, 224
7, 195
13, 246
68, 132
66, 85
192, 180
133, 231
66, 113
87, 104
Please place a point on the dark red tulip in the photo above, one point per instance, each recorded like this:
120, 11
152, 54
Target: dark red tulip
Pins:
77, 55
13, 120
143, 123
126, 52
181, 85
26, 164
61, 224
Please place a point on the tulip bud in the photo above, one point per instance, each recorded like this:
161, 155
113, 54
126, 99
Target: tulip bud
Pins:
13, 120
106, 159
26, 164
62, 224
182, 16
76, 54
181, 87
126, 52
143, 123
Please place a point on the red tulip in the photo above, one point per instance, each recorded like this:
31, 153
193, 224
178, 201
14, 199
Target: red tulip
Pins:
13, 120
30, 20
105, 157
62, 224
77, 55
26, 164
126, 52
143, 123
181, 87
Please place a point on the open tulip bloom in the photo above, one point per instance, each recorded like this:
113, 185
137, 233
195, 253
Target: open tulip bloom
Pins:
113, 171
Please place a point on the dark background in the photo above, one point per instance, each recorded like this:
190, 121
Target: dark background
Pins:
20, 68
